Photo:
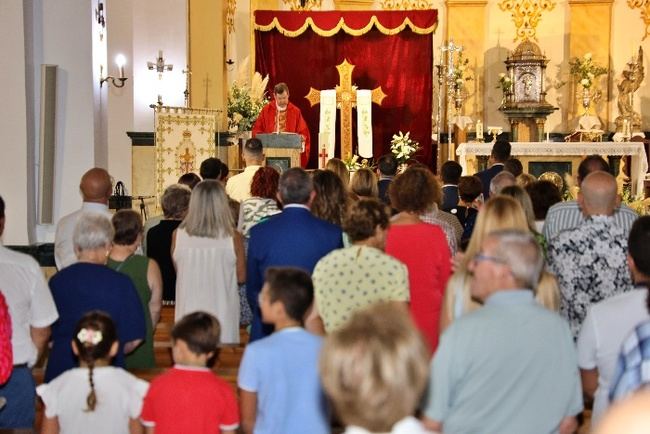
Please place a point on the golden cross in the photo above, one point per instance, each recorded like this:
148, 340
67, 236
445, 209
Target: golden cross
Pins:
187, 161
346, 99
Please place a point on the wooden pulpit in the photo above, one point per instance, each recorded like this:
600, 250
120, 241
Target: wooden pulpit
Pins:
281, 150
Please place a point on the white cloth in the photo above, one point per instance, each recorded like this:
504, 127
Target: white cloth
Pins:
327, 123
364, 123
239, 186
605, 328
206, 280
408, 425
29, 299
119, 398
63, 249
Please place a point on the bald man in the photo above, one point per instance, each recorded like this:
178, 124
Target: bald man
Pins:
95, 187
589, 260
567, 215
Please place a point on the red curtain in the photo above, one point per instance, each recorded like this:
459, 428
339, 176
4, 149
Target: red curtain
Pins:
400, 63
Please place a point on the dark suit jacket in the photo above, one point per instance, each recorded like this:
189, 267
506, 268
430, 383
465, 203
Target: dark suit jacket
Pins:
383, 185
449, 197
292, 238
487, 175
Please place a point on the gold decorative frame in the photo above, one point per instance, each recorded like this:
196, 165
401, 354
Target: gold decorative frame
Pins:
295, 5
526, 15
231, 8
402, 5
644, 5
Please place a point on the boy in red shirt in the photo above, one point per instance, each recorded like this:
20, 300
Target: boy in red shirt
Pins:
189, 398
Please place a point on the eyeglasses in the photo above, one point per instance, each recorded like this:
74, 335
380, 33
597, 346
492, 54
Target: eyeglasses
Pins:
480, 257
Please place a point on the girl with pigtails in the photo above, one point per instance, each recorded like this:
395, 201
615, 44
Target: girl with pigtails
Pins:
95, 397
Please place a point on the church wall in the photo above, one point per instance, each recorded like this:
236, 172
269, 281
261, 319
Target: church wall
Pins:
157, 25
13, 124
206, 53
120, 107
80, 139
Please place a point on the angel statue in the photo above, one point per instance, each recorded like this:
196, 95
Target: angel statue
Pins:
632, 78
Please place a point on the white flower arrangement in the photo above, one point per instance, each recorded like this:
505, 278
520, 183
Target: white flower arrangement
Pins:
586, 70
403, 147
353, 164
245, 102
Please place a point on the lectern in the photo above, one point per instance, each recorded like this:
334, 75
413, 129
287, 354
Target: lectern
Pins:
282, 150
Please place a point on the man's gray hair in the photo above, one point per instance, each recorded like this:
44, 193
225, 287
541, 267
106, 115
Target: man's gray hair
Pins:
175, 200
92, 231
500, 181
521, 252
295, 186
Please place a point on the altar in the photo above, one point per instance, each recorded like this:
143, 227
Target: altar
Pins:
570, 152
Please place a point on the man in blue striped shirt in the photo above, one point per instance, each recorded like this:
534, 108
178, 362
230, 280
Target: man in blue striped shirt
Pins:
567, 215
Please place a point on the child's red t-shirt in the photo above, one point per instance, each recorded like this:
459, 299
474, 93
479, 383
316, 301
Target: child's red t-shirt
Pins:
190, 400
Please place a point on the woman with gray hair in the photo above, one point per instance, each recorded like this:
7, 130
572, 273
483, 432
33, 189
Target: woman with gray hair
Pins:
90, 285
209, 256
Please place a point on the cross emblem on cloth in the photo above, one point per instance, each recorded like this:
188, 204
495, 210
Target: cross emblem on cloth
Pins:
346, 99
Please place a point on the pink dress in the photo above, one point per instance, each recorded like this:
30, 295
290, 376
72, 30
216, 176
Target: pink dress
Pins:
424, 249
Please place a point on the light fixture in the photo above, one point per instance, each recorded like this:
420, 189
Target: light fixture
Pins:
159, 65
120, 60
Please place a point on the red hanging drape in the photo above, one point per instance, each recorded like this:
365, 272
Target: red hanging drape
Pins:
393, 50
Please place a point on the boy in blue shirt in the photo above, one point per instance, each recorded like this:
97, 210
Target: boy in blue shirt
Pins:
279, 386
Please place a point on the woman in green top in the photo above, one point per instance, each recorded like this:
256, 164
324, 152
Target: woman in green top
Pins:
144, 274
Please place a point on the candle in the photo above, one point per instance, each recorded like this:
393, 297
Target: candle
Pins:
120, 60
548, 136
479, 130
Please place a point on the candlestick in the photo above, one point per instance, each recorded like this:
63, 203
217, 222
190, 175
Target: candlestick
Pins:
479, 130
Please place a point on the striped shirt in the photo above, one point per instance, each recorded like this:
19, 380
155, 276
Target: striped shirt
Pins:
567, 215
633, 368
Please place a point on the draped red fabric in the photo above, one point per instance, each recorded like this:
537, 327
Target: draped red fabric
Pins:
401, 64
357, 20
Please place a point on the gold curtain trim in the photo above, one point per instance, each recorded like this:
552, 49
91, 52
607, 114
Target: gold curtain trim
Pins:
374, 21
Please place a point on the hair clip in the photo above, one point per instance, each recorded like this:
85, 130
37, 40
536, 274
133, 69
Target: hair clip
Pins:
89, 336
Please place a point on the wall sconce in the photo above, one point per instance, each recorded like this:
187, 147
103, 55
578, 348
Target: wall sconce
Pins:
159, 65
120, 60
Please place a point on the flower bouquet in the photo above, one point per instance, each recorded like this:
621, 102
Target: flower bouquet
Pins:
586, 70
245, 103
403, 147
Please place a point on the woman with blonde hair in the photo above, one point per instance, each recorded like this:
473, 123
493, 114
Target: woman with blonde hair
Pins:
521, 196
364, 184
338, 166
500, 212
209, 256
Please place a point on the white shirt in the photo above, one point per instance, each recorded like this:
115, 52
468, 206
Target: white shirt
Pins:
606, 326
63, 249
29, 299
239, 186
408, 425
119, 398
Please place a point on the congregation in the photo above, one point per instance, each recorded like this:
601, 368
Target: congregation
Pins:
371, 302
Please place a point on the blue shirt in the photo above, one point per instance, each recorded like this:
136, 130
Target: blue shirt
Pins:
81, 288
508, 367
632, 368
283, 370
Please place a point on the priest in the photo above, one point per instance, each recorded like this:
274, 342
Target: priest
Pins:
280, 116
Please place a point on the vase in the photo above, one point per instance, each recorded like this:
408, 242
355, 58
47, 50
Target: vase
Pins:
586, 100
401, 168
